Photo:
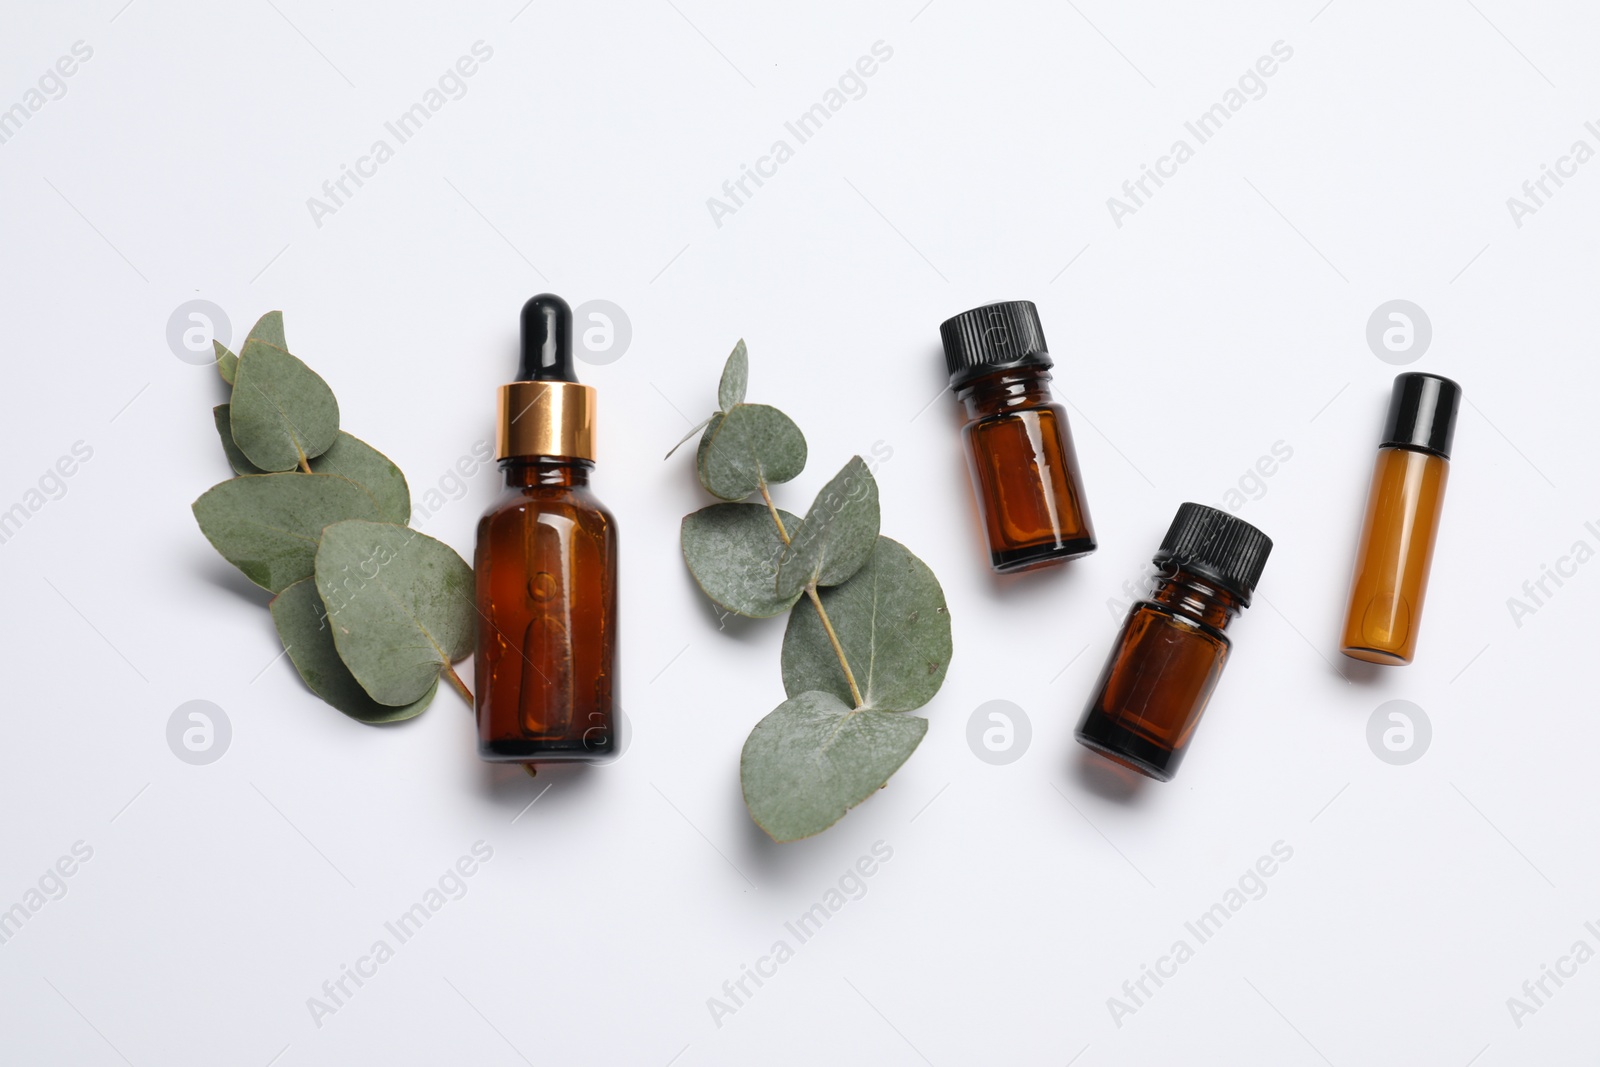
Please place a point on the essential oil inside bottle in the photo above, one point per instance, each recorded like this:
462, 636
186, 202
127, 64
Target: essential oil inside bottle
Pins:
546, 566
1401, 524
1171, 649
1019, 449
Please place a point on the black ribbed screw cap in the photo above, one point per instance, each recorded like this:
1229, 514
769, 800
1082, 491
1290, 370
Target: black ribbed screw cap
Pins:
1213, 544
993, 337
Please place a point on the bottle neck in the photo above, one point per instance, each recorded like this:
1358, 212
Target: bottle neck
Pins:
1194, 597
555, 472
1004, 391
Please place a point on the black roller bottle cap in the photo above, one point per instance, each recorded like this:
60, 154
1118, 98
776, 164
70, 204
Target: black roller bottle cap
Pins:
1422, 414
1213, 544
546, 340
993, 337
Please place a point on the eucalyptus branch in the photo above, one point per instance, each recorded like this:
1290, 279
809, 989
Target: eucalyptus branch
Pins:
816, 600
833, 638
823, 750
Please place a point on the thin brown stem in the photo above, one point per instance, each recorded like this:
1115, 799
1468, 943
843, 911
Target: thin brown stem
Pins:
816, 602
461, 687
776, 518
838, 649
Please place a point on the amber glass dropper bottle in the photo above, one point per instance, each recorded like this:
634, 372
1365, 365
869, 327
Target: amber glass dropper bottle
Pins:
1402, 521
546, 566
1019, 449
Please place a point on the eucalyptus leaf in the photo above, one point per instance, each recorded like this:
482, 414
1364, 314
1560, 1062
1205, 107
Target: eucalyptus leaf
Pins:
268, 328
227, 362
400, 605
704, 447
701, 425
732, 550
814, 758
236, 458
735, 376
267, 525
298, 614
893, 625
282, 412
350, 457
838, 535
749, 445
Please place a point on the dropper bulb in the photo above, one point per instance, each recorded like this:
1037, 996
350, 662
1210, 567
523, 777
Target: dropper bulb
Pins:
546, 340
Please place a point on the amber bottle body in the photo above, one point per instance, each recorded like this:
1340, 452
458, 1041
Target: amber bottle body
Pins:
1024, 471
547, 602
1161, 671
1394, 556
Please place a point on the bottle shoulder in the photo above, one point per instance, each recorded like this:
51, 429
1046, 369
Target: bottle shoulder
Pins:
570, 501
1192, 622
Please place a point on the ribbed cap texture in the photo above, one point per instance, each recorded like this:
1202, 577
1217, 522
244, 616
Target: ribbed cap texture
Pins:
1217, 545
995, 335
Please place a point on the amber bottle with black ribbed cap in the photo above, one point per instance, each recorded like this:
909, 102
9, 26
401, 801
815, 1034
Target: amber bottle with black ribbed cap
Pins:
1171, 649
546, 566
1019, 449
1402, 521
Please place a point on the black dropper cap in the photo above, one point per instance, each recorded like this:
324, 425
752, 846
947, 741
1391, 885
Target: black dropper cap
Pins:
1422, 414
1213, 544
993, 337
546, 340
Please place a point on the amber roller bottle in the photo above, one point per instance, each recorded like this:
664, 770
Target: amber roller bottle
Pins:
546, 566
1402, 520
1019, 449
1171, 649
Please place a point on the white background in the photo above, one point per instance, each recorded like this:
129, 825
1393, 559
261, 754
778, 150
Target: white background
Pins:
1226, 315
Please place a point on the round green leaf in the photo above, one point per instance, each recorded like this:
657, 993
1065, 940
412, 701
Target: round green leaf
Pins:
267, 525
227, 362
350, 457
236, 459
750, 444
813, 759
838, 535
735, 376
298, 614
701, 425
268, 329
704, 447
400, 605
282, 412
732, 550
894, 627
